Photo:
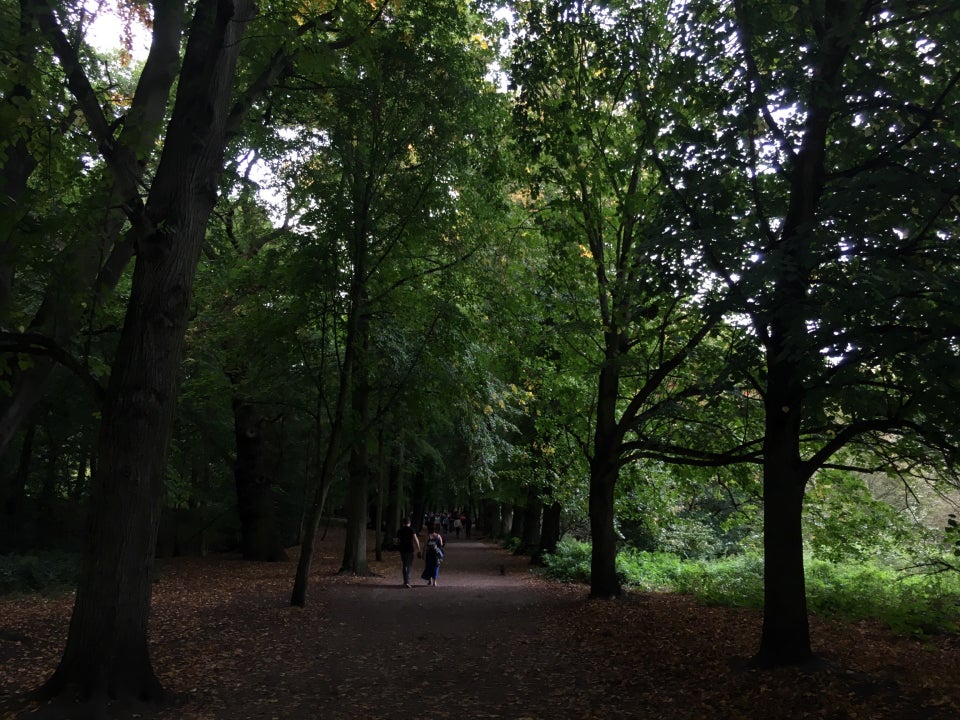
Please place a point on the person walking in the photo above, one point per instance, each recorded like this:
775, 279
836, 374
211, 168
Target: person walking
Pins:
432, 556
408, 544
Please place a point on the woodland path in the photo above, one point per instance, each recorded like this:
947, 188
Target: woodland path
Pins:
481, 645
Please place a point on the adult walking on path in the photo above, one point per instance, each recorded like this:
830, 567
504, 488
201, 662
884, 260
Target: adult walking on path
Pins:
409, 545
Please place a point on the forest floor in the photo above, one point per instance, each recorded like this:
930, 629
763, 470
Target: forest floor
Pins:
493, 640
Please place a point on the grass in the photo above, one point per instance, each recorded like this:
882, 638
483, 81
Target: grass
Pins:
915, 604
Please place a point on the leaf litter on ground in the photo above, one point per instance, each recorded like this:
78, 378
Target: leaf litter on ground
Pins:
490, 642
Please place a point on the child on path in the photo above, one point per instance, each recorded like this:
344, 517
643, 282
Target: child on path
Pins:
432, 557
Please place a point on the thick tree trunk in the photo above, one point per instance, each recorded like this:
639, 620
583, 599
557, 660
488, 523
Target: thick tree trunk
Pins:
530, 533
489, 517
15, 492
550, 534
355, 545
259, 539
106, 655
506, 520
604, 582
604, 472
785, 638
394, 510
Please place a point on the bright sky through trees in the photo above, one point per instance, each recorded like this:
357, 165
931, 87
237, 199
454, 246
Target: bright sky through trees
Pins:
107, 28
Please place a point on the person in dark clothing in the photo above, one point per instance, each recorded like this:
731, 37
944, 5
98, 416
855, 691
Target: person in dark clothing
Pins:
432, 556
409, 545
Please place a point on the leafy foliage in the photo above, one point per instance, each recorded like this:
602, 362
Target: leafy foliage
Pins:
38, 572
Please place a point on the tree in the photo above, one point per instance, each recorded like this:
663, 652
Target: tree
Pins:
389, 177
848, 151
598, 127
107, 655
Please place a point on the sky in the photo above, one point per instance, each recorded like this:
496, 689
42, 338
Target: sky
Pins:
106, 29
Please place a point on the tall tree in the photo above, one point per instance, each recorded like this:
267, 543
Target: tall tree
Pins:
387, 168
597, 103
848, 113
106, 655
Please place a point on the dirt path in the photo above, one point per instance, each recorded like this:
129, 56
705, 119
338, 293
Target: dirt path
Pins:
482, 645
451, 651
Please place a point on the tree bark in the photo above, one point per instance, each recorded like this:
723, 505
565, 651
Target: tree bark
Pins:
506, 520
331, 457
604, 582
530, 532
15, 492
355, 545
604, 472
550, 534
785, 638
107, 655
395, 507
259, 539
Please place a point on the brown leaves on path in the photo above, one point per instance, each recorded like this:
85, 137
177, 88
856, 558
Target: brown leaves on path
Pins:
492, 641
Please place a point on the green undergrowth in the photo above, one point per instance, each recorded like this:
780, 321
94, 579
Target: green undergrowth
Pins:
38, 572
911, 603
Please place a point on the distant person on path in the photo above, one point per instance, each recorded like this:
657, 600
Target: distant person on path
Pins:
456, 527
432, 557
467, 524
408, 543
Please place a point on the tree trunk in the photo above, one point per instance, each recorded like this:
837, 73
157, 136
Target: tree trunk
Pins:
418, 493
379, 523
530, 532
107, 655
517, 525
395, 508
331, 459
604, 582
85, 274
355, 545
259, 539
550, 535
785, 638
14, 495
506, 520
489, 516
604, 472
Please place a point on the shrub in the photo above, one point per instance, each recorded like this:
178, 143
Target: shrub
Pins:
570, 563
650, 571
38, 572
916, 604
732, 581
512, 544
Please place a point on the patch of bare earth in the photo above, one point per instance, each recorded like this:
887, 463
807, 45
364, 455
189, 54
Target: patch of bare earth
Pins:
492, 641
